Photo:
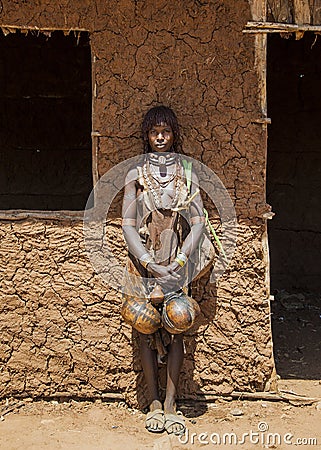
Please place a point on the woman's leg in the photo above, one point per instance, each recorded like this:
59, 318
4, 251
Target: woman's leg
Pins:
150, 368
174, 365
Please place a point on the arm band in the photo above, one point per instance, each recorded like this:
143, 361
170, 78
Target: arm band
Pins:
146, 259
197, 219
129, 222
181, 259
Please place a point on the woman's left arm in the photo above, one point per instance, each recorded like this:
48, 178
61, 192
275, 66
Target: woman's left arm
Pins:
197, 224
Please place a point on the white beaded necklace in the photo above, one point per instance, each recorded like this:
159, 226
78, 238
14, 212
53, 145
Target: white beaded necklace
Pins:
162, 159
156, 188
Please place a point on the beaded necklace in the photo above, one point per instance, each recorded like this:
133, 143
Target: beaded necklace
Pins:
162, 159
155, 185
162, 182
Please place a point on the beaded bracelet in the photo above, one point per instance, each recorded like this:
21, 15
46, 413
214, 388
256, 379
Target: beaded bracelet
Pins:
181, 259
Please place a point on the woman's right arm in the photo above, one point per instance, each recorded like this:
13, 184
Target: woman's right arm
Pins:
131, 235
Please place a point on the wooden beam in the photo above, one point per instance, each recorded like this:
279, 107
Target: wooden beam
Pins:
14, 214
276, 27
281, 395
262, 120
270, 25
22, 28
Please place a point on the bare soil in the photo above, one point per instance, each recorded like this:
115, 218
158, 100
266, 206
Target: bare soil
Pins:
101, 425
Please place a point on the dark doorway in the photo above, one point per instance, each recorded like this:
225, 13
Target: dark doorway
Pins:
294, 191
45, 116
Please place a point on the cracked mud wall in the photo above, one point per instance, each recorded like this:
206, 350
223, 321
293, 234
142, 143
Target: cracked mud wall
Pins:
60, 328
60, 323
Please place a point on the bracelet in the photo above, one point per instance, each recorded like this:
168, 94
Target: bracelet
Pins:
128, 222
146, 259
197, 219
181, 259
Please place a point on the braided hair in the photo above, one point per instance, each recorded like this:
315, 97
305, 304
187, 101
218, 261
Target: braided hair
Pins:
157, 116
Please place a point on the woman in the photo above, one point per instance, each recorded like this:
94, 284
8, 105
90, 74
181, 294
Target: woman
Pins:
163, 223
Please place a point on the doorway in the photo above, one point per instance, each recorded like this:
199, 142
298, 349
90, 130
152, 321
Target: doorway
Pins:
294, 191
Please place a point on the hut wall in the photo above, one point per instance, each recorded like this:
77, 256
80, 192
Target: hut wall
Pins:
61, 332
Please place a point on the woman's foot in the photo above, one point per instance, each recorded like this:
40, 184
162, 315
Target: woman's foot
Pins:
174, 420
155, 419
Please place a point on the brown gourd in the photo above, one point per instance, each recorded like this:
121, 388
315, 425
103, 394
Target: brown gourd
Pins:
179, 313
141, 315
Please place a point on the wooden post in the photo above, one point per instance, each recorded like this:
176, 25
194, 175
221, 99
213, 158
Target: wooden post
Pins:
302, 13
94, 134
280, 10
316, 12
258, 9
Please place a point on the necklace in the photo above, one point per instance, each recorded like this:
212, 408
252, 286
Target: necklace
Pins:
163, 181
162, 159
155, 187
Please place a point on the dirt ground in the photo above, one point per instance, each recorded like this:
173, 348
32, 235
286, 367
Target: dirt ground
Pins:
101, 425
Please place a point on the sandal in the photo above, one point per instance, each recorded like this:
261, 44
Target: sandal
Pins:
159, 417
175, 419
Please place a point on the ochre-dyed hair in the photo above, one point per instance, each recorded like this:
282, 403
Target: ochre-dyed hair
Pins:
157, 116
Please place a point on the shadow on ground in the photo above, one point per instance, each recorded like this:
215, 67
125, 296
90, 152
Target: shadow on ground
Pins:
296, 326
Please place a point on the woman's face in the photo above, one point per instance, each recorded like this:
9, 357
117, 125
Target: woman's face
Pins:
161, 138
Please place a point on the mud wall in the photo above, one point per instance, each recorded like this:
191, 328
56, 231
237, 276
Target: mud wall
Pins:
61, 325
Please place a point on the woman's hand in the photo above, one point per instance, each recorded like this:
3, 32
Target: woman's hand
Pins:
165, 274
174, 267
160, 271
